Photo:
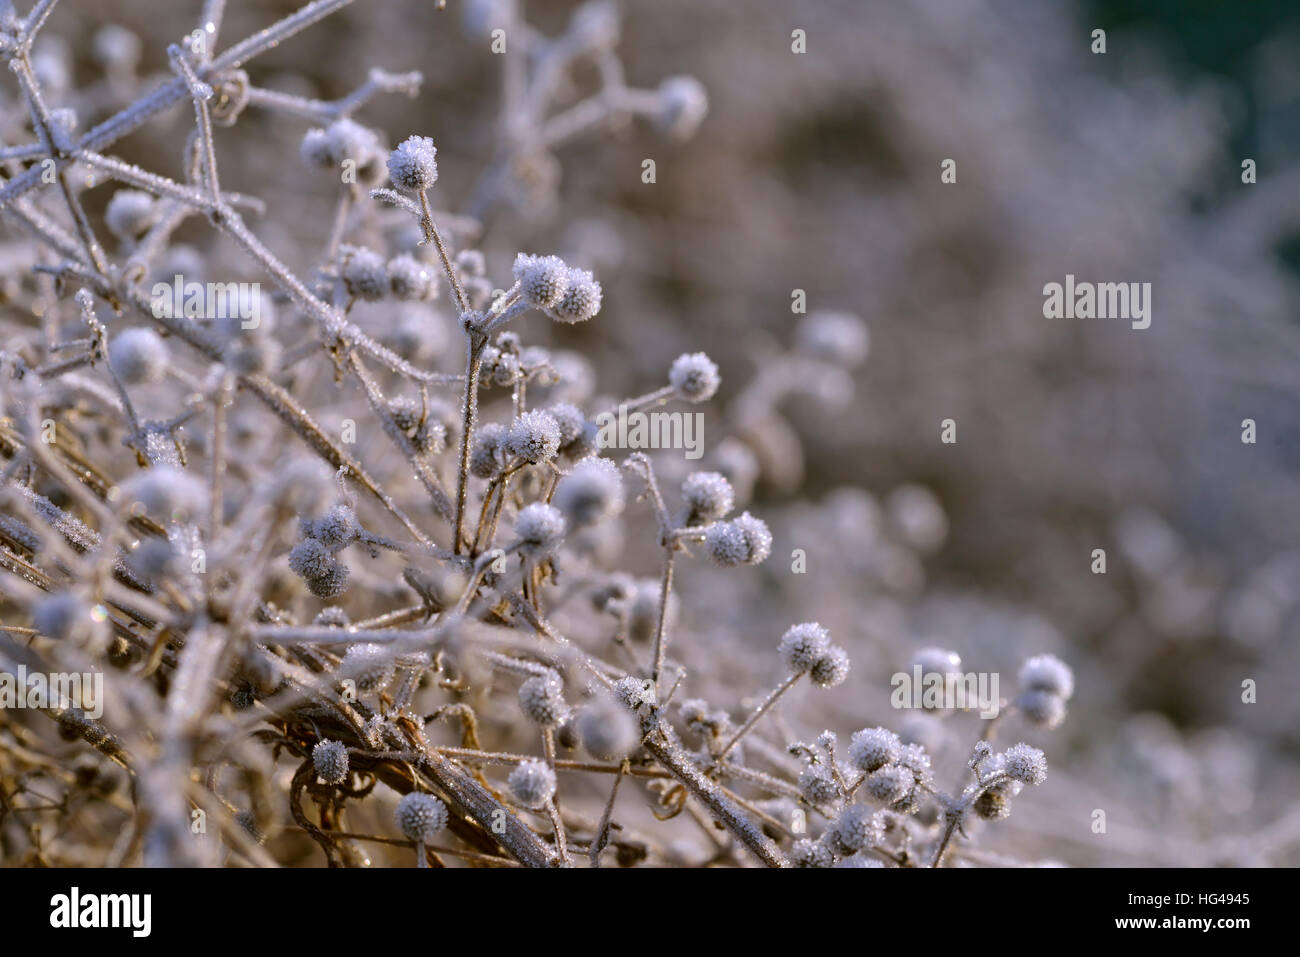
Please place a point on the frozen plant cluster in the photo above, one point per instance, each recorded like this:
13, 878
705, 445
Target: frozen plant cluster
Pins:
348, 553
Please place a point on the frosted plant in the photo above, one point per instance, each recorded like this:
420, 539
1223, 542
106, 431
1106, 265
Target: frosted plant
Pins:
363, 525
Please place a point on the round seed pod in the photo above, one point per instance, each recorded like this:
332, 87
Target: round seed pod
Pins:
63, 615
634, 692
1043, 708
872, 748
539, 529
569, 420
532, 783
543, 280
694, 376
889, 784
830, 669
581, 298
413, 166
590, 493
310, 559
130, 213
330, 758
803, 645
487, 454
837, 337
138, 356
708, 497
410, 279
420, 816
994, 804
741, 541
817, 785
365, 273
541, 699
857, 826
534, 437
806, 853
1026, 764
337, 528
683, 104
1047, 673
607, 731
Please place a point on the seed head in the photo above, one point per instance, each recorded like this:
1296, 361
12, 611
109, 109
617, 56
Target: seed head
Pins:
420, 816
365, 274
937, 660
806, 853
695, 376
534, 437
831, 669
116, 47
310, 558
1047, 673
368, 665
1043, 708
487, 455
413, 166
608, 731
994, 804
315, 149
803, 645
532, 783
915, 759
857, 826
635, 692
138, 355
343, 139
63, 615
708, 495
581, 298
872, 748
130, 213
332, 583
543, 280
539, 528
331, 761
817, 785
1026, 764
590, 493
410, 279
541, 698
741, 541
337, 528
683, 104
406, 413
836, 337
570, 420
889, 784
